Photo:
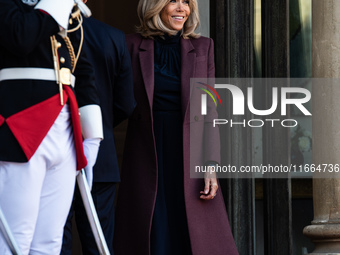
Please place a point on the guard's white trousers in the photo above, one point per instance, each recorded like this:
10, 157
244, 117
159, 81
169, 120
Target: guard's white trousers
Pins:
36, 196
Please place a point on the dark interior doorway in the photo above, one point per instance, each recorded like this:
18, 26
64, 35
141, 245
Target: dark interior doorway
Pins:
119, 14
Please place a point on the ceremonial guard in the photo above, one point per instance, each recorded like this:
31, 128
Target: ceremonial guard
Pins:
44, 136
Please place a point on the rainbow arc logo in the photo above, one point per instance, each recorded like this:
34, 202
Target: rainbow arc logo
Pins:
209, 93
204, 97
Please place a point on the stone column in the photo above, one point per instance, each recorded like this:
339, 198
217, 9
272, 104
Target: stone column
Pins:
325, 228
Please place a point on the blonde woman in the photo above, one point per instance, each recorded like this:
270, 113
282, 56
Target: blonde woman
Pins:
161, 211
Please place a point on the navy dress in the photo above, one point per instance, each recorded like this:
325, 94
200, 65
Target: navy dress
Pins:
169, 231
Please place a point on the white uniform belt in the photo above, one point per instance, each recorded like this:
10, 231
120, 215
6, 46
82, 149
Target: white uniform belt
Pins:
30, 73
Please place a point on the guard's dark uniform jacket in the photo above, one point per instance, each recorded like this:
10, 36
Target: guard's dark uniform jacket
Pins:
30, 105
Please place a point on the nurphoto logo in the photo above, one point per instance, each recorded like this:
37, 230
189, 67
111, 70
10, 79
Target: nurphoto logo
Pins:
238, 104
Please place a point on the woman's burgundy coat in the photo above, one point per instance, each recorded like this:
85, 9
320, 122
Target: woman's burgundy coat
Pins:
207, 220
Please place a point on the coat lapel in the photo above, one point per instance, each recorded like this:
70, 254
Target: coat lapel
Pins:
146, 58
188, 57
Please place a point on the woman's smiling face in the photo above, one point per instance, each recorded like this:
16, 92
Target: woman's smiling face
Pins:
175, 14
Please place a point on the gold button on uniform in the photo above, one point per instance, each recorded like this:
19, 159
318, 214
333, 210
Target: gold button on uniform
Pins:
62, 60
58, 44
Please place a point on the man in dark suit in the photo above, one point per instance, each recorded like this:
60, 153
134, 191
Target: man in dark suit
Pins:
106, 49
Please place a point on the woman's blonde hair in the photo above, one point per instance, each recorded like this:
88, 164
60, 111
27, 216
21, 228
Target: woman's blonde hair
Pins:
151, 24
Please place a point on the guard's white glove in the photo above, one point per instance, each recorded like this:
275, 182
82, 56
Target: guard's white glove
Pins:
91, 147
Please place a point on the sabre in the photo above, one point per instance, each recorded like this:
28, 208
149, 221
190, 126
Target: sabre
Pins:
7, 235
92, 213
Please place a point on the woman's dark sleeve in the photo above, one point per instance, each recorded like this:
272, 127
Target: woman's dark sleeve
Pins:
211, 133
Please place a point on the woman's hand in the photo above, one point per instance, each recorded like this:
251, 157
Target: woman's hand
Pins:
210, 186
